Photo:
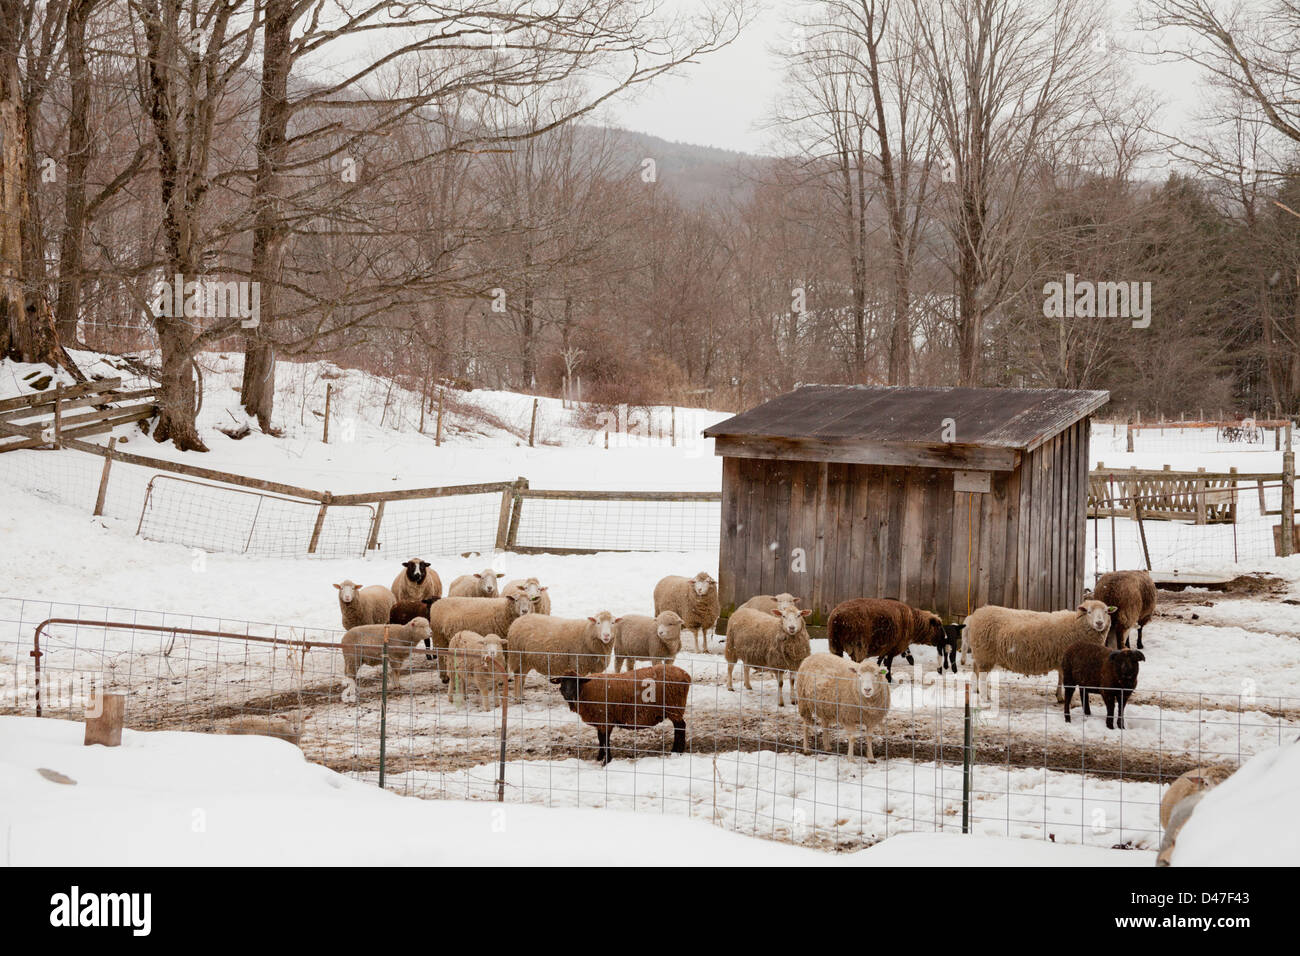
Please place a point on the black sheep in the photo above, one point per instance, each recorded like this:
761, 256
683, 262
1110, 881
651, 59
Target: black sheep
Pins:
1096, 669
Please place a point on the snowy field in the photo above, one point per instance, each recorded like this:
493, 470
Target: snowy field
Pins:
1221, 682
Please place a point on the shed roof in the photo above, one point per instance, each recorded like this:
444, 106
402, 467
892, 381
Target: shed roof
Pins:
1018, 419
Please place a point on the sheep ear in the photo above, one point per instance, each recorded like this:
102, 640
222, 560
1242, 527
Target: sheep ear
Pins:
617, 619
775, 613
542, 588
591, 619
1139, 656
1111, 609
339, 586
478, 575
501, 574
805, 613
1081, 609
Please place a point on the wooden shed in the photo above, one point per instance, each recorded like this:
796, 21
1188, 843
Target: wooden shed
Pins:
946, 498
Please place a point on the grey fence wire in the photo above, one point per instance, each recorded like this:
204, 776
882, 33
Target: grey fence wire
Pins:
744, 767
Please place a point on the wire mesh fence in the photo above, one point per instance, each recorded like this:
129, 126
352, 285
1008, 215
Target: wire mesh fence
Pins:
618, 521
744, 766
1234, 436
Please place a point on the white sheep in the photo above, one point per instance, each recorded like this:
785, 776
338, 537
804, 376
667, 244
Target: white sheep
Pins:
364, 605
768, 602
641, 638
774, 641
483, 584
480, 615
694, 599
416, 581
833, 691
479, 660
364, 644
536, 591
553, 646
1030, 642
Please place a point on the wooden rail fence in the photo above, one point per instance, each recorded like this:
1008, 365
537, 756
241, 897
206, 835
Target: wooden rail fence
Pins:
33, 421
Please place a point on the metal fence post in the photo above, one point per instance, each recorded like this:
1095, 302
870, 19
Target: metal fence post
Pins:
383, 712
966, 769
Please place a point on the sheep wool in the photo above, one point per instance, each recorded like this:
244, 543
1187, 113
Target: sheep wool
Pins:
478, 660
1193, 781
696, 602
833, 692
364, 605
416, 581
641, 638
881, 628
477, 614
536, 591
482, 584
775, 641
556, 645
768, 602
635, 699
1093, 668
1030, 642
1133, 595
364, 644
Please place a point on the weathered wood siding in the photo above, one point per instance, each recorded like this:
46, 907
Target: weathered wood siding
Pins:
906, 533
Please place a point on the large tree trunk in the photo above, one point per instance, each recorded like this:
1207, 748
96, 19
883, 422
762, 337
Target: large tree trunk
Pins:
68, 303
257, 391
177, 397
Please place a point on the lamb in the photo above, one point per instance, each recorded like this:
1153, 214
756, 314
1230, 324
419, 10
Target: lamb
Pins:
416, 582
1030, 642
478, 659
267, 725
555, 645
881, 628
775, 641
536, 592
832, 691
694, 599
1133, 593
768, 602
636, 699
1180, 800
403, 611
364, 644
483, 584
364, 605
948, 649
480, 615
1094, 669
640, 638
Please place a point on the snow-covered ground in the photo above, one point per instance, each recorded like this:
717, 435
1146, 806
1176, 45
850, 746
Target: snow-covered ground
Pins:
1221, 681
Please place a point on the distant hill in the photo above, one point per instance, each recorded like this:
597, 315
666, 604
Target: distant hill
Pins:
696, 174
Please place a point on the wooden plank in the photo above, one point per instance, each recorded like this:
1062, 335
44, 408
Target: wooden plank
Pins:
103, 480
71, 391
944, 494
1081, 503
968, 457
19, 414
820, 573
861, 560
125, 417
486, 488
727, 537
751, 531
897, 508
1011, 584
877, 524
503, 517
996, 531
913, 538
795, 528
579, 494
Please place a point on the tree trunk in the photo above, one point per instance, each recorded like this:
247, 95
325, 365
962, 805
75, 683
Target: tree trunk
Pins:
68, 303
257, 391
177, 395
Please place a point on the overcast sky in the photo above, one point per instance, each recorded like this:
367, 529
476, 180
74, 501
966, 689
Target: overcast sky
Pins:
724, 100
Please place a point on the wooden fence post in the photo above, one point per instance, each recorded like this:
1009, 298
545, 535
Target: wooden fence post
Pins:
532, 429
437, 437
373, 541
104, 717
1198, 499
58, 416
329, 388
103, 478
512, 535
503, 517
320, 522
1130, 436
1287, 524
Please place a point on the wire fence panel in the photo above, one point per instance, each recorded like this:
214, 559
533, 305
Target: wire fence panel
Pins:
585, 524
744, 766
456, 524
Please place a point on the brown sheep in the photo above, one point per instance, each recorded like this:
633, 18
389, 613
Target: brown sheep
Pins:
637, 699
1096, 669
1133, 595
882, 628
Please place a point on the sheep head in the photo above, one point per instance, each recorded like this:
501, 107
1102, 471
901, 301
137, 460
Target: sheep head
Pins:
702, 582
669, 625
1125, 664
604, 622
347, 591
791, 618
1098, 615
416, 570
570, 685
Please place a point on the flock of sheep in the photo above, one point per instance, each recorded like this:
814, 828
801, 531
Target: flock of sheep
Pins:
483, 634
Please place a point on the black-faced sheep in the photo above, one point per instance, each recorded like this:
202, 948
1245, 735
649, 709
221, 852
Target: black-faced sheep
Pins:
1133, 595
694, 599
480, 615
775, 641
634, 699
536, 591
479, 660
641, 638
881, 628
416, 581
833, 692
1030, 642
364, 605
482, 584
364, 644
1095, 669
558, 645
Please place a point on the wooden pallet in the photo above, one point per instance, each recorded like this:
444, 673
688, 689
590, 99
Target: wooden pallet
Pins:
1196, 496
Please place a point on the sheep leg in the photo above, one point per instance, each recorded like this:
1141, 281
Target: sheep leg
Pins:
731, 666
350, 690
1060, 686
871, 753
1140, 626
1069, 696
1084, 697
1109, 699
679, 735
745, 665
604, 755
805, 736
428, 646
780, 679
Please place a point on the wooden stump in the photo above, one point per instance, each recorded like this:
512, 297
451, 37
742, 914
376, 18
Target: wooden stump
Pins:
104, 715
